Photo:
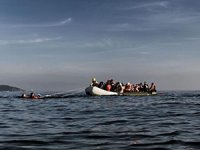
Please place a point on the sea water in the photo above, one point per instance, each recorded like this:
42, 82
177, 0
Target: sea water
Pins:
168, 121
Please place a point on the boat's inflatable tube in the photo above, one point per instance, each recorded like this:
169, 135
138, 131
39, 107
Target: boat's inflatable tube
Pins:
92, 90
95, 91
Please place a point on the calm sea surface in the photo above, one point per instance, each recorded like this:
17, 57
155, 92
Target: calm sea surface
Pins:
169, 121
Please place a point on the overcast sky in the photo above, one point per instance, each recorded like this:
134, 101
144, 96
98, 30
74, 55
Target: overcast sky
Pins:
61, 44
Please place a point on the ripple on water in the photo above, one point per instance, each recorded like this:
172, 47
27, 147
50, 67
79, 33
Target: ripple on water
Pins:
164, 122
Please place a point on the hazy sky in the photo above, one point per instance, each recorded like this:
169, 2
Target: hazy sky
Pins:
61, 44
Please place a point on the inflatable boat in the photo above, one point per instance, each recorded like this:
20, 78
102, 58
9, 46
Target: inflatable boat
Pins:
95, 91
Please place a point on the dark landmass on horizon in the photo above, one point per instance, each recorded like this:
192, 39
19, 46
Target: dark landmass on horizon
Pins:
9, 88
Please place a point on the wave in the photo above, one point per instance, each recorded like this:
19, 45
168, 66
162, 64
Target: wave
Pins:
169, 142
77, 93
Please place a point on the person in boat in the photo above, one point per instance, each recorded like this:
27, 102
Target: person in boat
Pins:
136, 88
113, 85
132, 87
101, 84
94, 82
128, 87
153, 87
108, 85
140, 87
119, 88
112, 82
145, 87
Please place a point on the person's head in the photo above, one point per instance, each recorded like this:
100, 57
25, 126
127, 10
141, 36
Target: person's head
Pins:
108, 81
93, 79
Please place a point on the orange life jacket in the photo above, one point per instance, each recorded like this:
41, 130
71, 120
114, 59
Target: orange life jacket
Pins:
108, 87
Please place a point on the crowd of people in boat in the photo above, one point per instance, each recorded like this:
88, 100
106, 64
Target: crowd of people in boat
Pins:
111, 85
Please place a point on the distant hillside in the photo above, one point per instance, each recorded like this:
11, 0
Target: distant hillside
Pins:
9, 88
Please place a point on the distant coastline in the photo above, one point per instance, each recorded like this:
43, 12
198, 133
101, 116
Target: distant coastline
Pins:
9, 88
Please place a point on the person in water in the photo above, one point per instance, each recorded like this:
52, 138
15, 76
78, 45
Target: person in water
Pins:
32, 95
23, 95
